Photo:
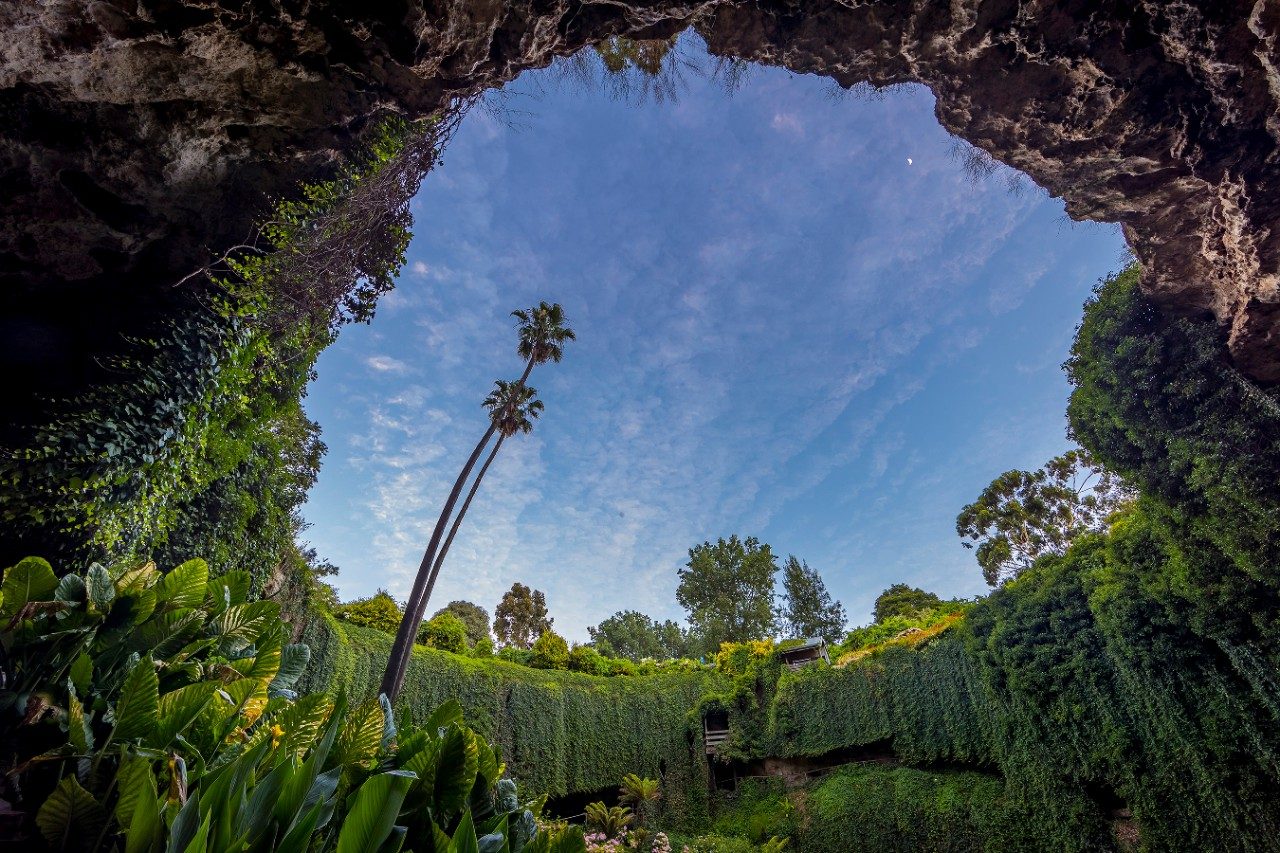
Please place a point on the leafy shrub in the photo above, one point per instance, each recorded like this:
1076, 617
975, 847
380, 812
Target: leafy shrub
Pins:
587, 660
444, 631
179, 730
609, 821
550, 651
378, 611
483, 648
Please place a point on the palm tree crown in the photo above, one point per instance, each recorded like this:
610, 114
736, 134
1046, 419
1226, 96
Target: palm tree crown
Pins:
512, 407
543, 333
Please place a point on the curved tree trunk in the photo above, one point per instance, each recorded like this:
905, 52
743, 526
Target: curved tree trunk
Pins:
402, 648
457, 522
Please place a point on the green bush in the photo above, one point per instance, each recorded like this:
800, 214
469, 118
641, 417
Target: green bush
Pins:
587, 660
444, 631
903, 809
379, 611
550, 651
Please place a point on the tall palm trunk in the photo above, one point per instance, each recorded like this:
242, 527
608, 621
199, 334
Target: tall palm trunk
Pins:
457, 521
402, 648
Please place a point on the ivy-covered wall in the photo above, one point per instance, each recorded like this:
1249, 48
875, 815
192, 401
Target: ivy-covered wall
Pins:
560, 732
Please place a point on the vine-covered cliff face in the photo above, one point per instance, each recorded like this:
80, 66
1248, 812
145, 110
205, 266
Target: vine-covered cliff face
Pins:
140, 137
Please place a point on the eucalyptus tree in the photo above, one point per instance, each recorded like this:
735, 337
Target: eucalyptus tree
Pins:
542, 333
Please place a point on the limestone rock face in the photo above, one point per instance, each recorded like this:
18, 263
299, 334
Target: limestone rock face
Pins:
140, 137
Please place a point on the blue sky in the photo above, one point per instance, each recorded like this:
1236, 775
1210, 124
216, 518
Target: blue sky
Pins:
797, 319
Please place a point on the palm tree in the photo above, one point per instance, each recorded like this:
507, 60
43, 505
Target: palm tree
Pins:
543, 332
513, 408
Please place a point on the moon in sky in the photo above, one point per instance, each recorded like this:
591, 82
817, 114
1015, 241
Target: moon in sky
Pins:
908, 161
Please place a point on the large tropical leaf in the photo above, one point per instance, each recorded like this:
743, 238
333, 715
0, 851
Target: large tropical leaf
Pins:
134, 781
185, 825
301, 722
185, 586
71, 818
31, 580
241, 624
424, 762
265, 664
137, 712
456, 771
71, 590
179, 709
464, 837
372, 816
361, 735
298, 839
100, 588
78, 731
138, 809
447, 714
81, 672
293, 662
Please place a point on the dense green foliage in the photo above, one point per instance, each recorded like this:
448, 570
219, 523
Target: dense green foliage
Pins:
195, 440
633, 635
559, 732
474, 617
903, 600
1136, 669
147, 711
445, 632
378, 611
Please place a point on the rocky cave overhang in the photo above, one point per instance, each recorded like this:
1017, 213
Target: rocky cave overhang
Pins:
140, 136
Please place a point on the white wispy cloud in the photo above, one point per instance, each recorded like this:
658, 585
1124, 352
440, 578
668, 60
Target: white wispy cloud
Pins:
756, 323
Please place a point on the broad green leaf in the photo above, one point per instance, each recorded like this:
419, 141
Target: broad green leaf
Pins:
255, 818
185, 586
78, 731
361, 735
135, 782
229, 590
185, 825
447, 714
179, 709
144, 604
81, 672
69, 815
395, 840
293, 662
31, 580
266, 663
71, 590
100, 589
486, 763
374, 813
424, 763
464, 837
302, 721
200, 843
241, 624
137, 711
304, 788
456, 771
298, 839
138, 579
145, 830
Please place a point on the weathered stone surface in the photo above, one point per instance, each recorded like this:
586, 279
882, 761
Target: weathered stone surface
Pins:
138, 137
